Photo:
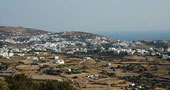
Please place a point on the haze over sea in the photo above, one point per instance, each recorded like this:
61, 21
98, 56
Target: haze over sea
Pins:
130, 36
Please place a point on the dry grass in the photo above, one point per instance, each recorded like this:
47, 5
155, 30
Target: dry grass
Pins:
134, 57
119, 73
27, 67
9, 61
45, 77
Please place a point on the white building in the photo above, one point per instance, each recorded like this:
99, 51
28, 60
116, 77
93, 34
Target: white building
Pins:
33, 58
59, 62
54, 57
70, 52
4, 54
87, 58
93, 76
20, 54
133, 84
37, 53
168, 49
109, 64
10, 54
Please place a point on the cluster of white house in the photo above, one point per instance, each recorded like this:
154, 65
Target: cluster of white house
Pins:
59, 44
6, 53
59, 41
55, 58
150, 51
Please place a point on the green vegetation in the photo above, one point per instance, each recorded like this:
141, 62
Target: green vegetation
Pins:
23, 82
1, 57
147, 80
3, 67
3, 86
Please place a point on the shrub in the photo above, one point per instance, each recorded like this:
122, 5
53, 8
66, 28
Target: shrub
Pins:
23, 82
3, 86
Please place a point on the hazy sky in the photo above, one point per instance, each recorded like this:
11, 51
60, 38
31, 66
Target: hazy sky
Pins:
122, 19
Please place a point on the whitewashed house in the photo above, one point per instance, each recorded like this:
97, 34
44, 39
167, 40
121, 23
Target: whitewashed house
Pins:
33, 58
41, 58
93, 76
109, 64
59, 62
69, 70
20, 54
4, 54
70, 52
87, 58
36, 53
54, 57
10, 54
168, 49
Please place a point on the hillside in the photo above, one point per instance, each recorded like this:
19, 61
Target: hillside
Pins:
77, 35
19, 31
19, 36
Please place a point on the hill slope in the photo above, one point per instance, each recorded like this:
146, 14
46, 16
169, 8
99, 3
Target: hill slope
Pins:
77, 35
19, 31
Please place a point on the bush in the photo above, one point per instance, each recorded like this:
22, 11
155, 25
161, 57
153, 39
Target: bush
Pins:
55, 85
112, 68
23, 82
1, 57
111, 74
169, 73
3, 86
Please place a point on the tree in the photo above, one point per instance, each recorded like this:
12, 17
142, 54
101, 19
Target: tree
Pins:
3, 86
111, 74
1, 57
23, 82
169, 73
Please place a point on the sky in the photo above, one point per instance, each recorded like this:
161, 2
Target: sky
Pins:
120, 19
